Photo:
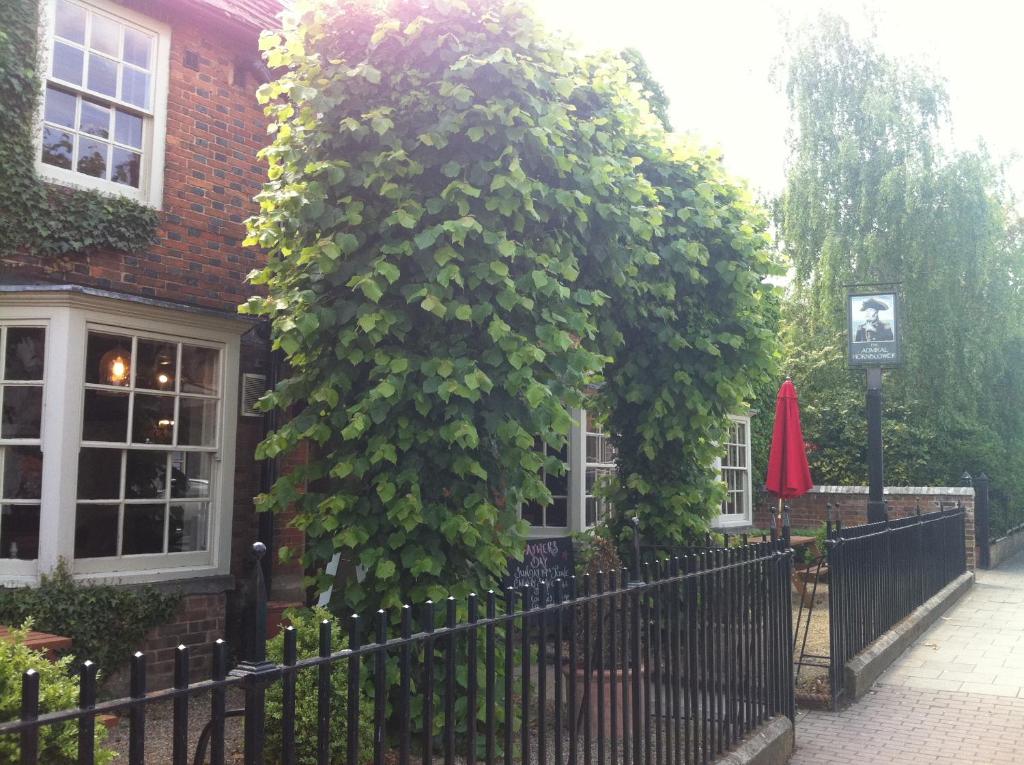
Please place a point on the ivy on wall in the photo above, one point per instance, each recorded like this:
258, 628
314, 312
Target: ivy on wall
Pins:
34, 215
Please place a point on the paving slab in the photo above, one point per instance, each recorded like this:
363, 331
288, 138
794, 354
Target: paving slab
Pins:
955, 696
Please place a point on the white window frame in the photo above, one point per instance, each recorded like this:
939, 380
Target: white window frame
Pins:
68, 316
154, 131
577, 482
746, 518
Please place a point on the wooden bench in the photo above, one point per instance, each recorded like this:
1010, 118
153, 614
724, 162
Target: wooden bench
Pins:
42, 641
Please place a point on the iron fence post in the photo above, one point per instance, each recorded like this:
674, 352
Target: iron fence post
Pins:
635, 628
254, 668
981, 520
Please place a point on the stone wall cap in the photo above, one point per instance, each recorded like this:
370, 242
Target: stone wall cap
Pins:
901, 491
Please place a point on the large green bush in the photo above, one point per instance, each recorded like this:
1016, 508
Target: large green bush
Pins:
307, 626
58, 690
466, 223
105, 623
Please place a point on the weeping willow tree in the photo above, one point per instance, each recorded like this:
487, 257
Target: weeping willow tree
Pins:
874, 195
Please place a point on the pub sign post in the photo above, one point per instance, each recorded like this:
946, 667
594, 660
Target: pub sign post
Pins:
874, 342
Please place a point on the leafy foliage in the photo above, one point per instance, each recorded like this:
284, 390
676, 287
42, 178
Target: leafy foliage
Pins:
307, 626
690, 343
650, 87
43, 218
58, 690
873, 196
89, 615
466, 224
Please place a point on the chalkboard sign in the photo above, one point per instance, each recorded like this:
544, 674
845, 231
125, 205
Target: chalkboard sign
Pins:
545, 561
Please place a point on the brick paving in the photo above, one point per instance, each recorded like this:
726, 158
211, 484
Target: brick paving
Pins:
955, 696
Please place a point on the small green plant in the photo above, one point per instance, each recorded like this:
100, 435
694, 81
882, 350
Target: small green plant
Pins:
307, 626
58, 689
105, 623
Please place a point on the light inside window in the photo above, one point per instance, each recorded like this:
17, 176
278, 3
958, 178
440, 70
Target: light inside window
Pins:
149, 436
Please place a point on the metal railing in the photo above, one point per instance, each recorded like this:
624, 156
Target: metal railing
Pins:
672, 663
880, 572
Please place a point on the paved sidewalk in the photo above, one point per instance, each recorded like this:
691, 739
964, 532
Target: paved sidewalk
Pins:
955, 696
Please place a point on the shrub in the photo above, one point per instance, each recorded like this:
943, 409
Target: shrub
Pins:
307, 626
106, 623
58, 744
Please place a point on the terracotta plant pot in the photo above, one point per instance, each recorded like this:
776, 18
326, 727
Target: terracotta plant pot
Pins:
601, 689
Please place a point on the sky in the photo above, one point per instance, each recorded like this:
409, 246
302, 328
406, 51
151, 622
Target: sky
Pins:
714, 58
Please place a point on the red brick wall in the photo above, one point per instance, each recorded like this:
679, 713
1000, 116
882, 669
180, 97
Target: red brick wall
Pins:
214, 130
200, 621
849, 504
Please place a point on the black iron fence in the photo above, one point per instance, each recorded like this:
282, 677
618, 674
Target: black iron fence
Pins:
880, 572
669, 665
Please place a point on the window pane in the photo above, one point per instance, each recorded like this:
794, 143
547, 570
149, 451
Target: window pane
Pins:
135, 87
145, 475
108, 359
60, 107
190, 474
22, 412
70, 21
99, 474
153, 419
102, 75
186, 531
92, 157
105, 35
95, 119
23, 472
67, 63
198, 369
558, 512
106, 416
533, 514
137, 46
197, 422
57, 147
156, 365
19, 531
96, 531
128, 129
125, 167
26, 348
143, 529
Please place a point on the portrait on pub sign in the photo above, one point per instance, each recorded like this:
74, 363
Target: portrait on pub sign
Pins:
873, 329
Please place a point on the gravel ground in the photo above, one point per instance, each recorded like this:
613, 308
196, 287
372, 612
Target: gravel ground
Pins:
160, 725
813, 679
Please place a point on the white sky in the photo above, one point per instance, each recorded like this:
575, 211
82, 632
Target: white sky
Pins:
714, 59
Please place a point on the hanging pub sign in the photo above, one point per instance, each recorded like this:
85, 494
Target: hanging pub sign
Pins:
545, 560
873, 319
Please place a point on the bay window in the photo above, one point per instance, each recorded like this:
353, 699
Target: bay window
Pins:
104, 101
117, 441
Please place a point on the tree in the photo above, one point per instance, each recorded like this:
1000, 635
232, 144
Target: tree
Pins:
650, 88
872, 196
453, 201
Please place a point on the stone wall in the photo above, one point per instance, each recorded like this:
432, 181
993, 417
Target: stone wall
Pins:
849, 504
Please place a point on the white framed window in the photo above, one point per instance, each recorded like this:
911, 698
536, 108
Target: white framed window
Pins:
737, 507
104, 105
553, 518
22, 374
598, 466
137, 429
589, 457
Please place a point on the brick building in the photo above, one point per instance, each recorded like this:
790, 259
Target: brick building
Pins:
127, 445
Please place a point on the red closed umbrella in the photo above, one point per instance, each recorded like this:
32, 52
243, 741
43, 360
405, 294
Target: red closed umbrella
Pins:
788, 472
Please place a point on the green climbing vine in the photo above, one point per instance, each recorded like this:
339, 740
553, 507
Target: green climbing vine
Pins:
37, 216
